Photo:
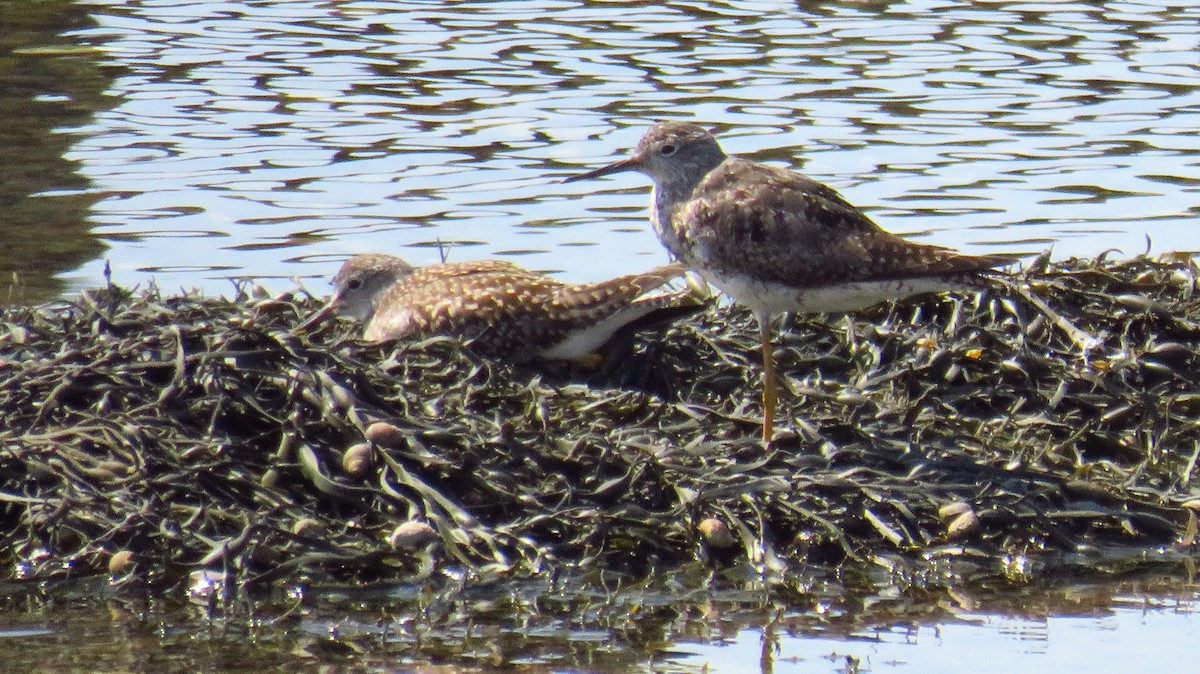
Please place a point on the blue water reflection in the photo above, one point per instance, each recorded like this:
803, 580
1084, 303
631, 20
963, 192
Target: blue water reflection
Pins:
271, 138
1137, 634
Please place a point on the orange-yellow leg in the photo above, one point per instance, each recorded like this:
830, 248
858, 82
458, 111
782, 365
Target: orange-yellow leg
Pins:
770, 393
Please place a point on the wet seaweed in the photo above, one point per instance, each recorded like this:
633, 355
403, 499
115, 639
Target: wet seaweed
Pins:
1013, 431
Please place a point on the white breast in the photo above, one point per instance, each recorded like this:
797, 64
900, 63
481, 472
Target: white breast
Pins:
585, 341
774, 298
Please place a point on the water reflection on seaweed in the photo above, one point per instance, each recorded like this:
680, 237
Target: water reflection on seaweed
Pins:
545, 625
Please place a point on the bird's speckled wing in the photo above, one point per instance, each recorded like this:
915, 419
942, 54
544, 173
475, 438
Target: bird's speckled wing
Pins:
458, 298
470, 268
548, 317
587, 298
783, 227
501, 308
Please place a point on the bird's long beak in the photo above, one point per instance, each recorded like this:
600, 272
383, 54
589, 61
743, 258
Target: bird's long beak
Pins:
632, 163
317, 317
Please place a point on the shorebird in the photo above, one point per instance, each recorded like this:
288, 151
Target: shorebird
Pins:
778, 241
500, 308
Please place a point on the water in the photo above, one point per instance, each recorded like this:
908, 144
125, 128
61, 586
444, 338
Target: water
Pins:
195, 141
1126, 626
1135, 634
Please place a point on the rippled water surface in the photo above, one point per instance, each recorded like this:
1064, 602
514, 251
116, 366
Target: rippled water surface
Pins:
273, 137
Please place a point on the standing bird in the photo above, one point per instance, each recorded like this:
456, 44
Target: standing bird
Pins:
778, 241
501, 308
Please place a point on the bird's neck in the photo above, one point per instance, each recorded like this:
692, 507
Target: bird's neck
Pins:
684, 179
670, 192
664, 199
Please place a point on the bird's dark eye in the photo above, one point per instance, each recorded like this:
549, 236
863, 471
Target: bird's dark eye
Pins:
667, 150
354, 284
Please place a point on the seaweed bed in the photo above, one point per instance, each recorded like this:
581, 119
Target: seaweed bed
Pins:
146, 436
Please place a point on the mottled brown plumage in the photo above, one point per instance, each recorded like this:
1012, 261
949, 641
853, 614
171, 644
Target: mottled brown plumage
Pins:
776, 240
501, 308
